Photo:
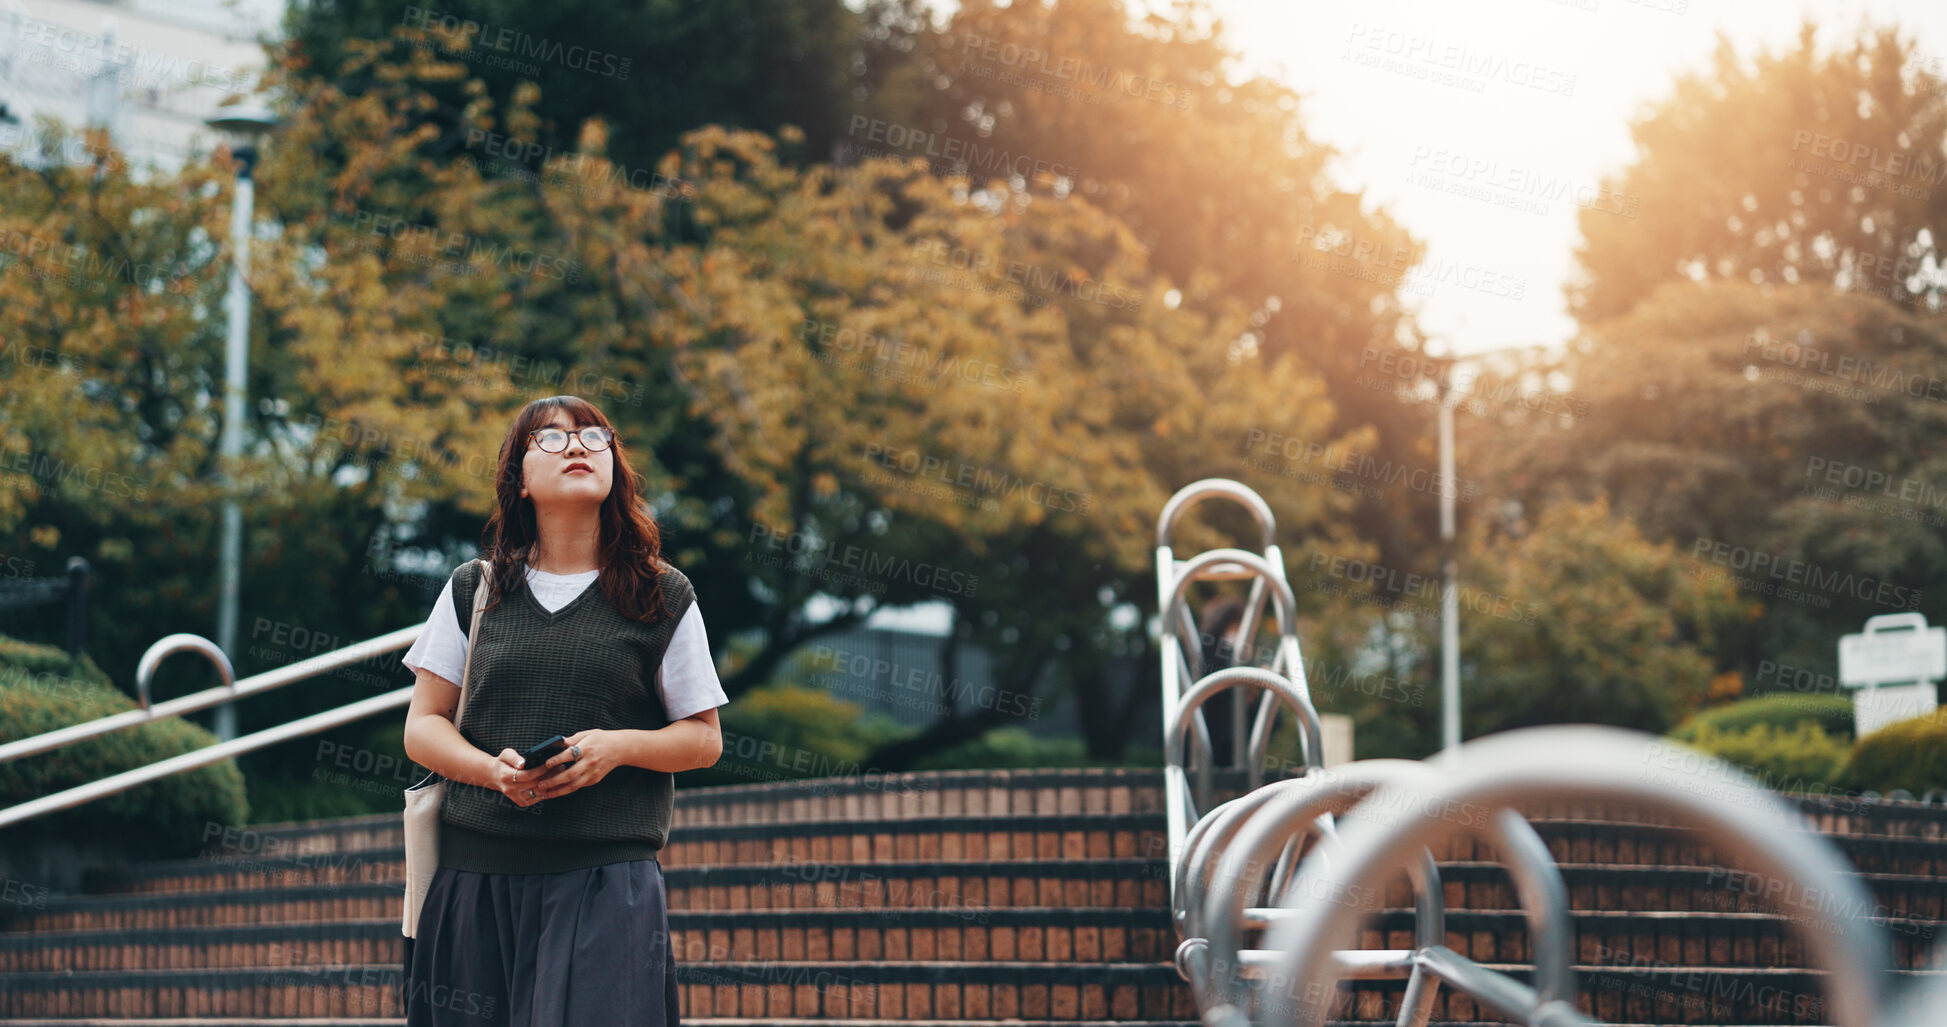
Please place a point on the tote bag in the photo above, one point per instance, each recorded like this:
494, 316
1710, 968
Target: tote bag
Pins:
423, 800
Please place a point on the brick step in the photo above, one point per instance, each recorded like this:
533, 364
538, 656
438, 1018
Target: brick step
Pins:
694, 1022
1588, 841
989, 839
1091, 790
901, 990
996, 839
707, 1022
1000, 935
962, 887
766, 1022
1608, 938
1607, 886
1669, 995
884, 990
884, 797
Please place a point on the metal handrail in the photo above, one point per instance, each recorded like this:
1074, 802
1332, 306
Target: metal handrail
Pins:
227, 692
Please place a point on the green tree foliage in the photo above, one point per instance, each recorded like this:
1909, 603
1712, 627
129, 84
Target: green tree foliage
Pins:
1094, 400
105, 414
388, 264
1815, 165
1216, 176
653, 70
1732, 420
1582, 620
1759, 366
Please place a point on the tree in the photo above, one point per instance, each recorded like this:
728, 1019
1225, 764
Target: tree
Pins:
1733, 420
651, 70
901, 367
1582, 620
1217, 177
1798, 167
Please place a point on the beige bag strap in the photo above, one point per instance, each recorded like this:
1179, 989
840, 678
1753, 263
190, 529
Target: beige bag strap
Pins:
473, 634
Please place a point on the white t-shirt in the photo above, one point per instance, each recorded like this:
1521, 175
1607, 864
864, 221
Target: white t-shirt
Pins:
688, 678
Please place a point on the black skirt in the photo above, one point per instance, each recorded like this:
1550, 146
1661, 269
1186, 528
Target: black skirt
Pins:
575, 949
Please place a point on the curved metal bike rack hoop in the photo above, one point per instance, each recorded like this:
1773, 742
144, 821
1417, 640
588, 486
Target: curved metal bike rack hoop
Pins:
1183, 807
1735, 816
1215, 488
1302, 805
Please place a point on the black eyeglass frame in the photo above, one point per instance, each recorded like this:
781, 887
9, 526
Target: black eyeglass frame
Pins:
608, 440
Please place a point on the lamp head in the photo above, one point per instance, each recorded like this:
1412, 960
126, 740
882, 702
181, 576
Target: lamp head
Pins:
241, 126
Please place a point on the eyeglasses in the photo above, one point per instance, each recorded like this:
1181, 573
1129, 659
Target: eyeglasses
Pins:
553, 440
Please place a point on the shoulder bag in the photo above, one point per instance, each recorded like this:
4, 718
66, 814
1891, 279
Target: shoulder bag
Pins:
424, 799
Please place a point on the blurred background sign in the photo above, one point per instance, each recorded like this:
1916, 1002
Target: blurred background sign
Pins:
1894, 663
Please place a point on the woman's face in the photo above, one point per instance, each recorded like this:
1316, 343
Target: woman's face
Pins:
557, 478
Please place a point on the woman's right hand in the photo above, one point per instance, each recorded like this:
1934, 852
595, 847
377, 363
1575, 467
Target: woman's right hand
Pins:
505, 768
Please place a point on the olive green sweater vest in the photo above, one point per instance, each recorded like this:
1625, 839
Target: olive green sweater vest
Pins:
536, 674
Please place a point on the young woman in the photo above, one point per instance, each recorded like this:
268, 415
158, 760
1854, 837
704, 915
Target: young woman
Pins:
548, 904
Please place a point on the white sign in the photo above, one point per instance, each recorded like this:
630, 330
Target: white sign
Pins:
1897, 648
1874, 708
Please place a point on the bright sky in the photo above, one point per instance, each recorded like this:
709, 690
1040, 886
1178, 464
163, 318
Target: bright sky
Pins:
1488, 166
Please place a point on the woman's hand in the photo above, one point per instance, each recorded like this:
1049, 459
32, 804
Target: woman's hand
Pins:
566, 772
507, 779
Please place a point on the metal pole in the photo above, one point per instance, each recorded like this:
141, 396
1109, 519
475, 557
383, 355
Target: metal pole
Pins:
77, 605
1450, 592
237, 353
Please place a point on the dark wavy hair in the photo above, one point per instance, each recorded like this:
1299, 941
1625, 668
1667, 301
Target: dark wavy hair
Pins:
630, 545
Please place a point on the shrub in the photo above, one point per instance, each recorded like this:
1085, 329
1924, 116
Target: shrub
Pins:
1008, 748
1781, 710
787, 732
42, 688
1909, 754
1785, 759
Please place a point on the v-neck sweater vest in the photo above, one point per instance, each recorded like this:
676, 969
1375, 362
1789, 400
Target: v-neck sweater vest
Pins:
538, 673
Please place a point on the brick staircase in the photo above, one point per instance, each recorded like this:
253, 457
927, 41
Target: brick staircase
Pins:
956, 898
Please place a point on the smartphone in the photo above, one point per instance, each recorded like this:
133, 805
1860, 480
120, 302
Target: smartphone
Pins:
533, 758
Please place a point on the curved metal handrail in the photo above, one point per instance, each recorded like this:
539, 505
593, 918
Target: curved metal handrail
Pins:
181, 642
228, 691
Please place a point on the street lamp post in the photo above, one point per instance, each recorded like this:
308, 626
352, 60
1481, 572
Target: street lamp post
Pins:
242, 127
1450, 587
1450, 396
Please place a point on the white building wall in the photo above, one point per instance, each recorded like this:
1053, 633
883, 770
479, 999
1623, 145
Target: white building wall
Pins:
150, 70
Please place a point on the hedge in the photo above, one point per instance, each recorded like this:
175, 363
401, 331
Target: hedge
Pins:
1799, 758
1778, 710
42, 688
1909, 754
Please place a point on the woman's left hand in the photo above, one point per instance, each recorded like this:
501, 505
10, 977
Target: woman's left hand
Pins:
599, 755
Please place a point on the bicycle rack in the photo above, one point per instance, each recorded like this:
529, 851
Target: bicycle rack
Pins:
1234, 867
